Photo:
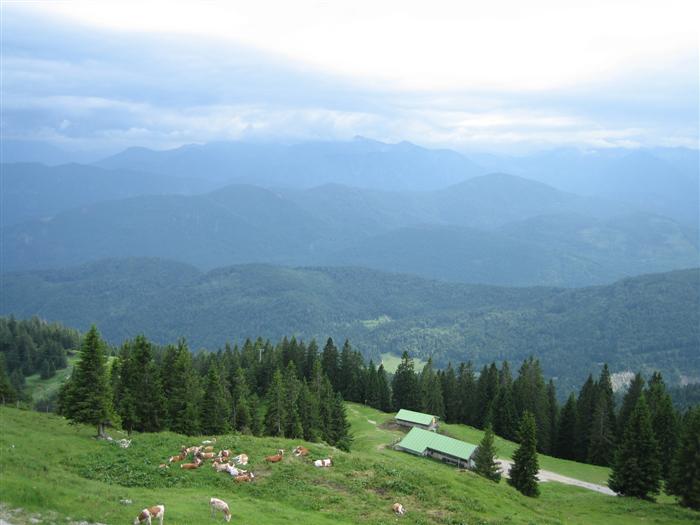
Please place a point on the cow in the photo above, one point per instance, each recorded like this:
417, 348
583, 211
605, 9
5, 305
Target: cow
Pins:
244, 478
224, 453
191, 466
241, 459
276, 458
301, 451
398, 509
209, 441
205, 455
208, 449
323, 462
221, 467
220, 505
192, 450
145, 516
178, 458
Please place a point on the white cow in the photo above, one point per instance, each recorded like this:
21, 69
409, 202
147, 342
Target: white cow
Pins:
323, 462
220, 505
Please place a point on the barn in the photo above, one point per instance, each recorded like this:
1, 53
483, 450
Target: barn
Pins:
409, 418
431, 444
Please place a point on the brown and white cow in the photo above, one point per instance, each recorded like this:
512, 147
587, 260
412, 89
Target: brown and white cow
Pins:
178, 458
244, 478
206, 455
276, 458
145, 516
220, 505
191, 466
398, 509
224, 453
301, 451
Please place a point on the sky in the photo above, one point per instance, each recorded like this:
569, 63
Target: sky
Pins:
500, 76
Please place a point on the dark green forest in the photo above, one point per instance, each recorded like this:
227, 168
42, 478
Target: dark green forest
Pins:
643, 323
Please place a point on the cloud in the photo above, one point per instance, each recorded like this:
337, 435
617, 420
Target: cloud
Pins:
96, 85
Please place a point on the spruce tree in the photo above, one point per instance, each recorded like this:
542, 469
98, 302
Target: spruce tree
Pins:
240, 395
149, 403
215, 404
504, 421
486, 392
431, 391
405, 387
87, 398
309, 411
485, 463
466, 391
448, 382
339, 431
523, 472
585, 406
629, 401
330, 363
684, 476
184, 399
371, 394
293, 427
664, 421
635, 470
383, 389
276, 416
567, 432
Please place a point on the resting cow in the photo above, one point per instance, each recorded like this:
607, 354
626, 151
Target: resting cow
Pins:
398, 509
323, 462
301, 451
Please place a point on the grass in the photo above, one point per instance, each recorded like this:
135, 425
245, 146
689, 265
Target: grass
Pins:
45, 463
392, 361
45, 388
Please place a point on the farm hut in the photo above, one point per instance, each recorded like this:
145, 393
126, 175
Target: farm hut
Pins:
431, 444
409, 418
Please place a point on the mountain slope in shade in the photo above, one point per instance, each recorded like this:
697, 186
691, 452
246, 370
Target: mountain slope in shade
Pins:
648, 322
34, 191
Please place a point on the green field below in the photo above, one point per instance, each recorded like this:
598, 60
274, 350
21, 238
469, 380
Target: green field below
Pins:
60, 470
392, 361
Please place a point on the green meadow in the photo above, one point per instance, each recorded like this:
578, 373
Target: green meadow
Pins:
60, 471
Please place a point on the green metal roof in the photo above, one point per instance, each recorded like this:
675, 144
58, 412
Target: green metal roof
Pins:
414, 417
418, 440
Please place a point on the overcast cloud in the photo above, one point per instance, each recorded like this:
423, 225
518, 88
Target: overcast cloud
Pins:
88, 76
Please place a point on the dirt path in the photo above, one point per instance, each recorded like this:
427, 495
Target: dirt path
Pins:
545, 475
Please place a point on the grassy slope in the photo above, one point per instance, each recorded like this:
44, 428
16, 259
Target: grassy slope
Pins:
56, 466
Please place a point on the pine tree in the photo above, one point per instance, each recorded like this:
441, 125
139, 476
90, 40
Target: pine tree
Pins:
552, 416
149, 401
275, 417
405, 387
664, 421
530, 394
87, 398
602, 435
523, 472
635, 470
566, 435
215, 404
485, 462
486, 392
383, 389
684, 478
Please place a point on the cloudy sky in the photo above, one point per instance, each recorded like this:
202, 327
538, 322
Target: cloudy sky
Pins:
490, 76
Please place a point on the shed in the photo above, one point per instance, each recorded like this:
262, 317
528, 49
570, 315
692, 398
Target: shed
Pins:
409, 418
449, 450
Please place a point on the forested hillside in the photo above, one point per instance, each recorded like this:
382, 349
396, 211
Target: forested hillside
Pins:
645, 323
